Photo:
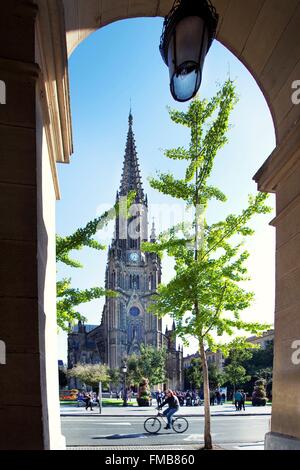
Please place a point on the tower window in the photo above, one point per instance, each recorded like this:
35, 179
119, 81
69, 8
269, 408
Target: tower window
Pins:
134, 281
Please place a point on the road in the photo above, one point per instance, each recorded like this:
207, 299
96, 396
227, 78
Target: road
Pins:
233, 432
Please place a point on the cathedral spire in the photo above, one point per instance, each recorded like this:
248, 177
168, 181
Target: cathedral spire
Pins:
131, 177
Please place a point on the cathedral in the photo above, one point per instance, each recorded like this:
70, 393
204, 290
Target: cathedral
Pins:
126, 323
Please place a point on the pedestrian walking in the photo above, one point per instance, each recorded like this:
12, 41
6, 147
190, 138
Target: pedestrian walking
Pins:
243, 400
238, 400
89, 401
218, 397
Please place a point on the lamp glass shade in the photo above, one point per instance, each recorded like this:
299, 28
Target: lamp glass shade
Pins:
188, 46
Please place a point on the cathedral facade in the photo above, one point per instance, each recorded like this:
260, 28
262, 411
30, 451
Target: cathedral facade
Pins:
134, 275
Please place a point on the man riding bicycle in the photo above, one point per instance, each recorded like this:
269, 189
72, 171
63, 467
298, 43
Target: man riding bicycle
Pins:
173, 406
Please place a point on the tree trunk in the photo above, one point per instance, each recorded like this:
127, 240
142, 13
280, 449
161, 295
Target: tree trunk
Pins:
207, 427
207, 424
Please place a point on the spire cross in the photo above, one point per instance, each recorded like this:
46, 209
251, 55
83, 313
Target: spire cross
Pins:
131, 178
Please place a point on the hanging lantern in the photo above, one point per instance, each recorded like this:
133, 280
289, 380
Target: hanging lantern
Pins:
188, 32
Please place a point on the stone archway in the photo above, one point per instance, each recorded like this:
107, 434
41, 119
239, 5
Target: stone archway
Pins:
36, 37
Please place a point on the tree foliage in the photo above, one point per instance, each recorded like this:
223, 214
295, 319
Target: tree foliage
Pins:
236, 375
150, 364
194, 375
90, 374
261, 361
216, 376
68, 298
114, 377
257, 363
205, 297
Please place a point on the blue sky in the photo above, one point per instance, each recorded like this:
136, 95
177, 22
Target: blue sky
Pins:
119, 63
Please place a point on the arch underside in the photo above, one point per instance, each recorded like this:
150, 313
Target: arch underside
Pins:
269, 49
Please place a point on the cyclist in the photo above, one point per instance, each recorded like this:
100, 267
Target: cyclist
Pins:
173, 406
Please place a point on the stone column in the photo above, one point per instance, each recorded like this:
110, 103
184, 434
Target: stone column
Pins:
281, 174
29, 408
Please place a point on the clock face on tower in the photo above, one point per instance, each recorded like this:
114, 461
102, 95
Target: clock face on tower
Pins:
134, 257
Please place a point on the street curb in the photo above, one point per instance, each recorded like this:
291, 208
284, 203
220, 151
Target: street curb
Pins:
139, 448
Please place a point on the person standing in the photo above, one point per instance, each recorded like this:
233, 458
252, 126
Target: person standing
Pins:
158, 398
238, 400
243, 400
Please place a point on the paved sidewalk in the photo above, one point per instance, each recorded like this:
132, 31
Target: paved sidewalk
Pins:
139, 448
193, 411
242, 446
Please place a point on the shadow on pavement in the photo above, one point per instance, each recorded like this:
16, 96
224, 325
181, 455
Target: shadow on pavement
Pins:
133, 436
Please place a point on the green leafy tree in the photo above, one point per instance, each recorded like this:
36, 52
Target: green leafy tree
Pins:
134, 375
236, 375
257, 362
205, 296
215, 376
68, 298
150, 364
90, 374
259, 397
114, 378
193, 374
239, 351
262, 359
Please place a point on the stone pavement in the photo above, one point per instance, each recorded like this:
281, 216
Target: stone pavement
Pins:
139, 448
237, 446
192, 411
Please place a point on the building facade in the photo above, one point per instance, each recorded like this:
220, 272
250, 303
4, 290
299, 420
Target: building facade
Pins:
263, 341
134, 275
217, 357
81, 347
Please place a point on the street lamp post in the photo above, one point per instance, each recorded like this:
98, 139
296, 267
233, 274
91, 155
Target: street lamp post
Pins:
124, 371
188, 32
100, 397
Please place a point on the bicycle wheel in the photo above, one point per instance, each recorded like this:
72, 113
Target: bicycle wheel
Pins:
180, 425
152, 425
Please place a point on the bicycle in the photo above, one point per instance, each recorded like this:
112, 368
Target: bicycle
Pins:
153, 425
